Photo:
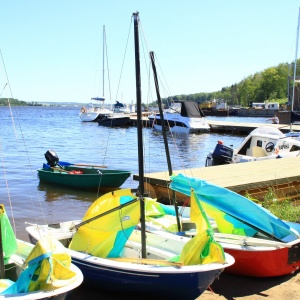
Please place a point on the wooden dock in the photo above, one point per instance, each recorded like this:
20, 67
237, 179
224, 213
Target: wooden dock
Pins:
246, 128
254, 178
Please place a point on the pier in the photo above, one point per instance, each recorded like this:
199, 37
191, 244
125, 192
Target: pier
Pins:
253, 178
226, 126
246, 128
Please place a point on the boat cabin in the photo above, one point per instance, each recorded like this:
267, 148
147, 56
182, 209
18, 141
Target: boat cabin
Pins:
264, 142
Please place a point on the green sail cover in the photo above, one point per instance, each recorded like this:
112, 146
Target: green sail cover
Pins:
9, 242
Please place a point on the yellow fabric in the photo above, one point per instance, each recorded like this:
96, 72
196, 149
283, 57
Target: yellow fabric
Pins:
201, 249
4, 284
223, 225
98, 237
155, 214
53, 271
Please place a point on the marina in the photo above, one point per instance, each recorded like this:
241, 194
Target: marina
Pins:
85, 142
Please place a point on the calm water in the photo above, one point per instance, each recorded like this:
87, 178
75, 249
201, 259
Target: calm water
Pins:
28, 132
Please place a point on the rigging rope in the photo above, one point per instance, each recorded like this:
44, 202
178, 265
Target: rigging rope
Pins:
26, 152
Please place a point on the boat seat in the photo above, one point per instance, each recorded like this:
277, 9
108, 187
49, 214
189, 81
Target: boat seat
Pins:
258, 152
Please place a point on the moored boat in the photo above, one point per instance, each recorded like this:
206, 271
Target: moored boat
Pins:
80, 175
181, 117
265, 142
114, 255
262, 244
94, 111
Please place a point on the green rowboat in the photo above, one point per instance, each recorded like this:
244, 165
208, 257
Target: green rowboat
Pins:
83, 177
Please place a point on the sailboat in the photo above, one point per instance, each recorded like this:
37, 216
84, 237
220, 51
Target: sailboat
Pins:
295, 117
54, 275
96, 110
114, 255
262, 244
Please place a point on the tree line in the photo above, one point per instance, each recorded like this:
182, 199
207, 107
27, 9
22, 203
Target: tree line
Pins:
270, 84
16, 102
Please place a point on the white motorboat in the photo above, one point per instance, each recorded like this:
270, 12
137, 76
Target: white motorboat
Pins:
265, 142
95, 111
181, 117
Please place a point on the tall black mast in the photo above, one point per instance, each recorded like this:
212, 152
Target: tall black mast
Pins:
163, 127
139, 130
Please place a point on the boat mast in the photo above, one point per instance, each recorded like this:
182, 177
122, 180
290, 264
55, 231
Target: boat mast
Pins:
163, 127
139, 131
295, 66
103, 54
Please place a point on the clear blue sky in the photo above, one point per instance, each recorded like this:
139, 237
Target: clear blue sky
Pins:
52, 50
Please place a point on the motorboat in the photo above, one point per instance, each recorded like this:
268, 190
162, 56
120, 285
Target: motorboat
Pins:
83, 176
265, 142
94, 111
119, 118
181, 117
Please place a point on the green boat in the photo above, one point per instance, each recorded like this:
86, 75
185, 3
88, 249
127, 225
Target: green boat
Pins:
80, 175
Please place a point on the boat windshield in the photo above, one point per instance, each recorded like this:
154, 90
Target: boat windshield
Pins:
175, 108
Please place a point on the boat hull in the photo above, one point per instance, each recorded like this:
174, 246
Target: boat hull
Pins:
90, 179
166, 285
265, 263
89, 117
114, 122
180, 125
169, 282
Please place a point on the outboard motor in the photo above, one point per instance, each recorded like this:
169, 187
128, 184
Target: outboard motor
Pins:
52, 158
221, 155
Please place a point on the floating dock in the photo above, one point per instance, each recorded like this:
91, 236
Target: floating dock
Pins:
246, 128
282, 176
226, 126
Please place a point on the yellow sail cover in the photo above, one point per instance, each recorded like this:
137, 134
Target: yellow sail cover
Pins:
202, 248
106, 236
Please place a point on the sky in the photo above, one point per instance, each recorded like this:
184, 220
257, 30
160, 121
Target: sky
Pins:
51, 51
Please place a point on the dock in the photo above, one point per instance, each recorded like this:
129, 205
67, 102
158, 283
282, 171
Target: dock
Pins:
225, 126
246, 128
252, 178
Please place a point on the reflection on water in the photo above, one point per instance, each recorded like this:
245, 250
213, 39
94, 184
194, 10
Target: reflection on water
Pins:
35, 130
56, 192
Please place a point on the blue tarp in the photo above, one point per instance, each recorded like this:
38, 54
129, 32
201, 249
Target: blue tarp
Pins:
236, 206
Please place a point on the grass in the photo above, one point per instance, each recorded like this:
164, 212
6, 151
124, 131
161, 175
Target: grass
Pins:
285, 209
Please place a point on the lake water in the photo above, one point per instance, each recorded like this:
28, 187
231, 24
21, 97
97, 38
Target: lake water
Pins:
28, 132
